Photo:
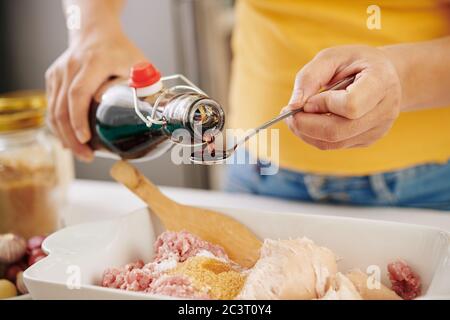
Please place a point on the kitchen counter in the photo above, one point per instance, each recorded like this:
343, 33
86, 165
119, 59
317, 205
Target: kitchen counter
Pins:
95, 200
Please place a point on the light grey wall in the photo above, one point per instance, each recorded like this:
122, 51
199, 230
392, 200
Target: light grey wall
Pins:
150, 25
35, 35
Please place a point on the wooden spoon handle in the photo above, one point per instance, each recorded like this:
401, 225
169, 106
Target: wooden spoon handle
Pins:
128, 175
241, 245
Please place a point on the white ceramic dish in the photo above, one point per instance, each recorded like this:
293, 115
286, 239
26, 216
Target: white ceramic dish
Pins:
21, 297
84, 251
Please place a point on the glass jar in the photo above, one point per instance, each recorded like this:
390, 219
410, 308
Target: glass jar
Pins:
32, 183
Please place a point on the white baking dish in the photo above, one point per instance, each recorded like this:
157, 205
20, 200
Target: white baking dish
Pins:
87, 249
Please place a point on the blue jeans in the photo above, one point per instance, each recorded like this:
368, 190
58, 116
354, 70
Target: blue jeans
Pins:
424, 186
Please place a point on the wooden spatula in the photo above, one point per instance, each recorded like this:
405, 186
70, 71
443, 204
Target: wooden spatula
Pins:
241, 245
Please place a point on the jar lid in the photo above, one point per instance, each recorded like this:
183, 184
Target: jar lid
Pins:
22, 110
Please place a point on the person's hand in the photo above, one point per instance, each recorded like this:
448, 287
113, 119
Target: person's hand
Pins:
74, 78
355, 117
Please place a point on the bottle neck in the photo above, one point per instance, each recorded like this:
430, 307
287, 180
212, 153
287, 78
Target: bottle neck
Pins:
196, 113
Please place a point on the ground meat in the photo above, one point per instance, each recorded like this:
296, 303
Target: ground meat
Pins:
134, 276
170, 248
405, 282
113, 278
134, 265
140, 279
183, 245
176, 286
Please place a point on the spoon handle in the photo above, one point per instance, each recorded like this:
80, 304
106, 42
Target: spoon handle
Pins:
341, 84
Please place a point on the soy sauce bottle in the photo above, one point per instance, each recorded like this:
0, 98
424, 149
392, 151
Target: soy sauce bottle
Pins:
138, 120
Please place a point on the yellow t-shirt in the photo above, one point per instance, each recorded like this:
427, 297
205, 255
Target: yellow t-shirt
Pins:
273, 39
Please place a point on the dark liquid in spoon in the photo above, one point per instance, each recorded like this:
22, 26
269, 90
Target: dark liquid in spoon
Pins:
209, 152
210, 144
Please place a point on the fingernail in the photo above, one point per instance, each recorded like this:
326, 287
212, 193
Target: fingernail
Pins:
82, 136
297, 97
84, 158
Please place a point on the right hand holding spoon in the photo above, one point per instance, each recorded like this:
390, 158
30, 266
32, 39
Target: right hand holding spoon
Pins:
355, 117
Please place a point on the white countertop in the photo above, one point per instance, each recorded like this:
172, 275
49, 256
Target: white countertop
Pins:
95, 200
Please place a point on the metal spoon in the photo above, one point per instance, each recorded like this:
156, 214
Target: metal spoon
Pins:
219, 156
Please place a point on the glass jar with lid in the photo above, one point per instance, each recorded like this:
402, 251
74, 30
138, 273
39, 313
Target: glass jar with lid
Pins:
33, 172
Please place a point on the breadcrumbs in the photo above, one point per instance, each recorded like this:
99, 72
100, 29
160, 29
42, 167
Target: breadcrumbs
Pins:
216, 277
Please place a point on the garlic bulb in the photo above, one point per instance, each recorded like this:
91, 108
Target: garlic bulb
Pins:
12, 248
20, 284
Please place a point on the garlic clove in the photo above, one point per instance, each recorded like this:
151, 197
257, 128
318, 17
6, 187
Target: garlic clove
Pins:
20, 284
12, 248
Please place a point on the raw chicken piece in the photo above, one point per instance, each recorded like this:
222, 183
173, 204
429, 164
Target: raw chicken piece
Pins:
361, 281
290, 269
405, 282
341, 288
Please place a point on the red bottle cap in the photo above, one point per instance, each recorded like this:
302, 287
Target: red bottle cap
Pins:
143, 74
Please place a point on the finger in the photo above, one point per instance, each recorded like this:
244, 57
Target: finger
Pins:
333, 128
52, 83
326, 127
81, 92
83, 152
363, 140
61, 111
316, 74
356, 100
63, 121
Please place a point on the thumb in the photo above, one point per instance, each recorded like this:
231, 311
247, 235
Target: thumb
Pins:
297, 97
312, 77
328, 101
